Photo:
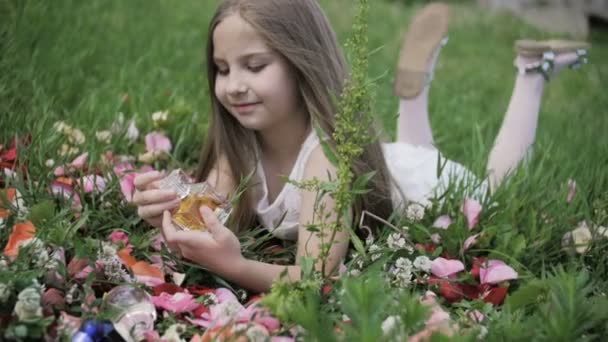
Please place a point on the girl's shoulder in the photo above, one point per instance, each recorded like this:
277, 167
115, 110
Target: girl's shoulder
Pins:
318, 165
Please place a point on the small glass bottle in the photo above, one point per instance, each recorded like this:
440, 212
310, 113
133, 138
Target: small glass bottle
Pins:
131, 310
194, 195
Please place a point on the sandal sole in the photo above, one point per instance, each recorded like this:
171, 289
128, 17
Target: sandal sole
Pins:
425, 33
533, 48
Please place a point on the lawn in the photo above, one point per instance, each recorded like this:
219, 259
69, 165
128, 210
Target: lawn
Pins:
84, 62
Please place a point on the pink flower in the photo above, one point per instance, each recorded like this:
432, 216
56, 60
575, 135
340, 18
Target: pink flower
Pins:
443, 222
443, 268
496, 271
177, 303
471, 210
157, 141
571, 190
92, 183
119, 236
436, 238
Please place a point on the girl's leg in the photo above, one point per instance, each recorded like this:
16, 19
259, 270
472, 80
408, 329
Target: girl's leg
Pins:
518, 130
422, 44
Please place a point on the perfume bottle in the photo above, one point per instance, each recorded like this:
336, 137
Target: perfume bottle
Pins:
194, 195
131, 311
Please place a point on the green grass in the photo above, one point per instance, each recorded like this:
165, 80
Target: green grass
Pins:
75, 60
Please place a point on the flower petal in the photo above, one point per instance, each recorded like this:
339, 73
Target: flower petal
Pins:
471, 210
496, 271
443, 222
443, 268
157, 141
22, 232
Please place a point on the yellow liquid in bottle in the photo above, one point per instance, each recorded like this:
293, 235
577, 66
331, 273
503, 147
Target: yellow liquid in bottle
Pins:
187, 215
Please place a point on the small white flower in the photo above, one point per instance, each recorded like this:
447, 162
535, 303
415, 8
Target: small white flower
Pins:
160, 117
62, 127
174, 333
396, 241
415, 212
49, 163
354, 272
423, 263
67, 150
28, 307
372, 249
76, 137
104, 136
403, 264
579, 238
389, 324
132, 131
257, 333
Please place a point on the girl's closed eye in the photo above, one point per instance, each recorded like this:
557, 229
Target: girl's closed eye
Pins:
222, 72
256, 68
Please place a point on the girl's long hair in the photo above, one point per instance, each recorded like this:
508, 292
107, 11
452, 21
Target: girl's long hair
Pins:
301, 33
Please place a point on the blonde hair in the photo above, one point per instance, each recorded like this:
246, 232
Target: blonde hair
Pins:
301, 33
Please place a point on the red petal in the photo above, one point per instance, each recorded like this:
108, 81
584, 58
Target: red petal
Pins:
199, 290
496, 295
477, 262
198, 312
326, 289
168, 288
427, 248
9, 155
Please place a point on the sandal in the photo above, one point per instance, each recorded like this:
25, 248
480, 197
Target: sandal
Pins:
427, 32
547, 50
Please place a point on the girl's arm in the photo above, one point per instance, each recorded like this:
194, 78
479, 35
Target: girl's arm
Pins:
220, 250
260, 276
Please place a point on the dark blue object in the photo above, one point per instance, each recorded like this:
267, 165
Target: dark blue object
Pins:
97, 331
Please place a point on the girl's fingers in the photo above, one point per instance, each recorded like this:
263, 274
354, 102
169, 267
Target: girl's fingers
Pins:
155, 210
141, 181
153, 196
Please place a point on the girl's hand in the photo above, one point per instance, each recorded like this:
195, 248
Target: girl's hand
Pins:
152, 202
216, 249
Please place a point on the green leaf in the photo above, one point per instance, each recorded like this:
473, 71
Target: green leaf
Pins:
526, 295
327, 149
361, 182
41, 212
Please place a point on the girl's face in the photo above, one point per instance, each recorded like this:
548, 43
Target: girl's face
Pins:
255, 84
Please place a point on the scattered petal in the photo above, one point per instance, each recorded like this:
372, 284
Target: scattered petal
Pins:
443, 222
443, 268
496, 271
471, 210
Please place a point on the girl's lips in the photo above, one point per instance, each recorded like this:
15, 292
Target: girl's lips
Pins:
245, 108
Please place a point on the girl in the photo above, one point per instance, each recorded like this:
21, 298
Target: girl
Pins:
275, 66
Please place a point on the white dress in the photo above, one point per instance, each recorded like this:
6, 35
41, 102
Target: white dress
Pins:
413, 168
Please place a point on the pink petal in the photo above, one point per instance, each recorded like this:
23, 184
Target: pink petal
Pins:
571, 190
59, 171
91, 183
443, 222
127, 186
177, 303
157, 242
476, 316
281, 339
148, 280
200, 322
469, 242
157, 141
496, 271
80, 160
443, 268
121, 169
436, 238
471, 210
119, 236
224, 295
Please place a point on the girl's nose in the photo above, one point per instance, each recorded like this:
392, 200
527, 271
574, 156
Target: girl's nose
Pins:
236, 86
